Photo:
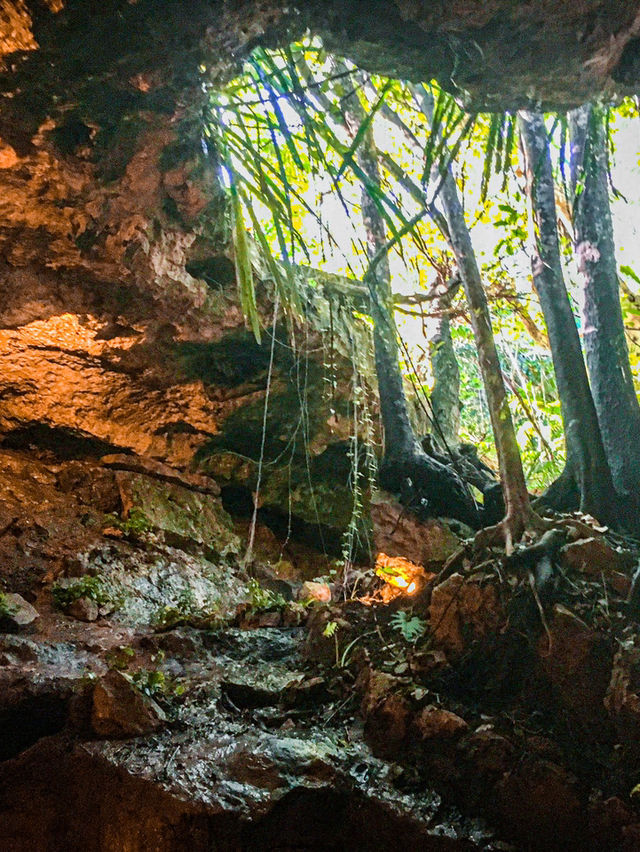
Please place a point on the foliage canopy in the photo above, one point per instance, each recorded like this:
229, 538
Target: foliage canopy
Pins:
295, 182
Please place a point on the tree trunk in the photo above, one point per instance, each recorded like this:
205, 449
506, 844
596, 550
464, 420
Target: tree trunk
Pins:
445, 396
514, 489
516, 497
425, 485
603, 330
586, 461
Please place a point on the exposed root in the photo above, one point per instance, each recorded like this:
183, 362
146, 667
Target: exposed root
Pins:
543, 618
453, 563
511, 530
582, 529
426, 487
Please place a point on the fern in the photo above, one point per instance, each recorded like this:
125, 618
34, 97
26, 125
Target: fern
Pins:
411, 627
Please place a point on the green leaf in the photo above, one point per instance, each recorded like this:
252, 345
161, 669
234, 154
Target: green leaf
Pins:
362, 130
287, 289
242, 258
411, 627
330, 629
627, 270
491, 151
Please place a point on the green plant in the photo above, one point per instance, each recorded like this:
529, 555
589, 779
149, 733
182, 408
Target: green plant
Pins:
86, 587
187, 600
411, 627
186, 611
6, 609
154, 683
120, 658
262, 599
166, 617
331, 631
134, 524
149, 681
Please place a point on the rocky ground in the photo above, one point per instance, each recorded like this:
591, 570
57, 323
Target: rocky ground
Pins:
156, 696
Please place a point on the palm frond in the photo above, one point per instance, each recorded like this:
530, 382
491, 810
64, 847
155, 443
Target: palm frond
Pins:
286, 285
242, 257
493, 152
266, 82
359, 137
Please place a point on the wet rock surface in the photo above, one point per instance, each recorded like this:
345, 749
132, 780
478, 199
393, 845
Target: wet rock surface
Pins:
250, 773
203, 709
135, 708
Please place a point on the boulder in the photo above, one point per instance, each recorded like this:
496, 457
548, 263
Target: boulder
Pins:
490, 753
434, 723
540, 799
398, 533
121, 710
84, 609
315, 591
463, 602
575, 661
181, 513
16, 613
386, 711
594, 555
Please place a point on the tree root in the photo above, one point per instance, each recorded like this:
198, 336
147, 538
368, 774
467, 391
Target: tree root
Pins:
426, 487
511, 530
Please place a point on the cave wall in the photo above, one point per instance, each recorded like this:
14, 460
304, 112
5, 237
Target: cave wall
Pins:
119, 320
496, 54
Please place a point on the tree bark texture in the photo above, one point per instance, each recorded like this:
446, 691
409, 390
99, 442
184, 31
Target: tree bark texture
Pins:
445, 396
603, 330
586, 460
516, 496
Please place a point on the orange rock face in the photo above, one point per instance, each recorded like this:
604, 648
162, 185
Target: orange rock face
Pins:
397, 533
463, 609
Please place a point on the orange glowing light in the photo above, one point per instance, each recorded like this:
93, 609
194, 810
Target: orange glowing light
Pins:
400, 573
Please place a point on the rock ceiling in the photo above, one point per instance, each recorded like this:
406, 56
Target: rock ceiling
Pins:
500, 52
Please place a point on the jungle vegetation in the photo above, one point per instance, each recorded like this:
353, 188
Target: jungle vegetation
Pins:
466, 242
